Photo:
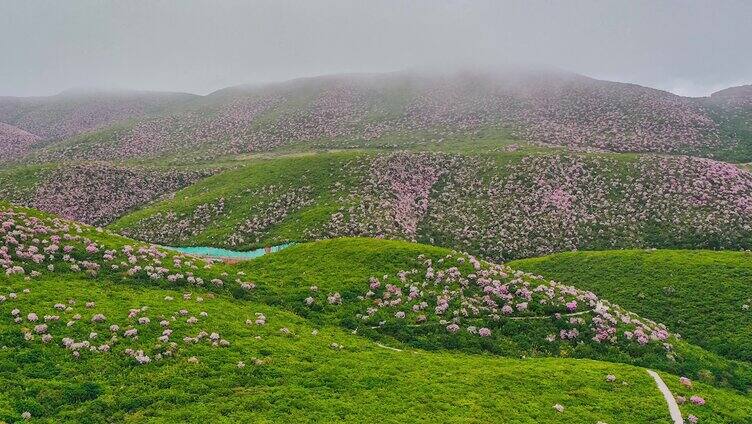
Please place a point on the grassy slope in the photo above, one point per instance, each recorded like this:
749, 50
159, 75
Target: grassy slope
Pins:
317, 171
344, 266
18, 183
734, 124
699, 294
301, 377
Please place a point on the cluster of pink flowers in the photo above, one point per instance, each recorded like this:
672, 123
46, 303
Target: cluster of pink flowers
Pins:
14, 141
31, 246
459, 292
390, 201
541, 204
176, 228
98, 193
681, 398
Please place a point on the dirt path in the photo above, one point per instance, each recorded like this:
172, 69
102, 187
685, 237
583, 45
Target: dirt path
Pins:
673, 408
388, 347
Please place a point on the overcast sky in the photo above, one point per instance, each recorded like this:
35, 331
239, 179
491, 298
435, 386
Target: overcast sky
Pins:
688, 47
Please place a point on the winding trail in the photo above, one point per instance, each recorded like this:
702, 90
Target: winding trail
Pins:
673, 408
388, 347
574, 314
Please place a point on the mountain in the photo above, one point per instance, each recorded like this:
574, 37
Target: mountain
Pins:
540, 106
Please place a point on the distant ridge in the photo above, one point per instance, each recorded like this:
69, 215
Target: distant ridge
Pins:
538, 105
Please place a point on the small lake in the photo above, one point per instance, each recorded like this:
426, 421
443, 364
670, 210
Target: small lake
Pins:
216, 252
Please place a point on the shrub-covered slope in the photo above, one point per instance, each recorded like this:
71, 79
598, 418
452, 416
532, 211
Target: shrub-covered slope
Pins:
537, 105
93, 193
279, 371
89, 335
14, 141
73, 112
500, 206
704, 296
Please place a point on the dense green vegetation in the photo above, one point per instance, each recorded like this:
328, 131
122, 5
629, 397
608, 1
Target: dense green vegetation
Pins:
305, 364
297, 376
703, 295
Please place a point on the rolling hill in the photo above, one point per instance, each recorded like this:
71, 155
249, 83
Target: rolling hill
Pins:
510, 203
74, 112
241, 342
703, 295
500, 205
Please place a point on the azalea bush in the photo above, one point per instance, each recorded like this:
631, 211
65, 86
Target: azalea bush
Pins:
94, 193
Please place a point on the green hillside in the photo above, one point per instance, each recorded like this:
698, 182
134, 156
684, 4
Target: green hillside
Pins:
500, 205
200, 341
703, 295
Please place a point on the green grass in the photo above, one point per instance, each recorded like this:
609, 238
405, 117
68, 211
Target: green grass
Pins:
18, 183
345, 265
699, 294
298, 376
301, 379
734, 126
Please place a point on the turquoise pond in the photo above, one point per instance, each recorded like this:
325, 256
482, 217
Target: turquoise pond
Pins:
224, 253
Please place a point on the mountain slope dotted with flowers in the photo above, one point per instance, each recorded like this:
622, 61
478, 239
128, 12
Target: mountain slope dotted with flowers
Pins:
542, 106
501, 206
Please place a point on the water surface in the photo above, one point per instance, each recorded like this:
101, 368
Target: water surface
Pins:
216, 252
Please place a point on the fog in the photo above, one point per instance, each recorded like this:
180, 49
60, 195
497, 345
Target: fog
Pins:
687, 47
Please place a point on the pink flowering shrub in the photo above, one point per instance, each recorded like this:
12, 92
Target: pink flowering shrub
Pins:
14, 141
451, 294
98, 194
